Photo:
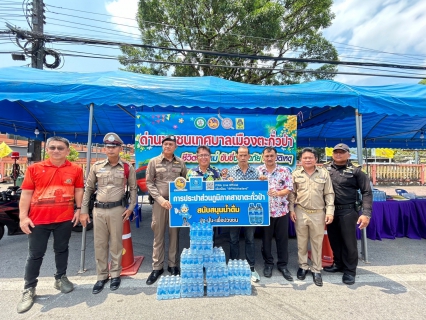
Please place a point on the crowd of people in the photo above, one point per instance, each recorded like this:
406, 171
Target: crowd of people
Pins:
54, 198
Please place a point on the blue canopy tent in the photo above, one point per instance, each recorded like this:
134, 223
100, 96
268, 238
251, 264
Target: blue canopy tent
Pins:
58, 103
84, 107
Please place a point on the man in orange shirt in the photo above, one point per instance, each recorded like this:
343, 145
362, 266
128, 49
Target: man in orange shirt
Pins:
49, 191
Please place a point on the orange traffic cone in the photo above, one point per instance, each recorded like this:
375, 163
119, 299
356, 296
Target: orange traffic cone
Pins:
129, 263
327, 253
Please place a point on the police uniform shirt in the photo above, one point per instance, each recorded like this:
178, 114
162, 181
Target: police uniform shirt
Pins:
111, 184
237, 174
160, 172
312, 192
347, 179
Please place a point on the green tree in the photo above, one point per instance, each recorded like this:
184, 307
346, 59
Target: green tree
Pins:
73, 156
276, 28
125, 156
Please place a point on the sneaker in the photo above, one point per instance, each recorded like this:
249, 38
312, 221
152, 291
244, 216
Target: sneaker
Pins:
255, 276
63, 284
27, 300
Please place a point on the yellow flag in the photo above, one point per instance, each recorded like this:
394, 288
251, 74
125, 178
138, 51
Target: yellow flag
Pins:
329, 152
4, 150
384, 152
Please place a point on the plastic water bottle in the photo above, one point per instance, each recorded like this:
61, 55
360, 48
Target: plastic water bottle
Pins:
252, 213
259, 216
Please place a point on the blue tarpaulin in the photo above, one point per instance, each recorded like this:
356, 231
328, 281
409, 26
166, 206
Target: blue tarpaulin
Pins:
57, 103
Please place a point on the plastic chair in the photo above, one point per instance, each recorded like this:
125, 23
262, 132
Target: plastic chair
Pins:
400, 191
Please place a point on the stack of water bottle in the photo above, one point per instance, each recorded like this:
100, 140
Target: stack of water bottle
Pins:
216, 273
169, 287
192, 282
201, 238
239, 277
255, 213
222, 280
379, 195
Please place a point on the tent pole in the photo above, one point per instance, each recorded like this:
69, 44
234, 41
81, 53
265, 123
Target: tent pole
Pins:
358, 123
88, 161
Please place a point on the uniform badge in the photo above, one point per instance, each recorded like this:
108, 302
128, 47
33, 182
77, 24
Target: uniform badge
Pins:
111, 138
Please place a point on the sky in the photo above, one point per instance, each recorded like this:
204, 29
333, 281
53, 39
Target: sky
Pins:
379, 31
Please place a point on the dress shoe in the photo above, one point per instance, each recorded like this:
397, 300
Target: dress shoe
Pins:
267, 271
99, 285
317, 278
174, 271
333, 268
286, 273
154, 276
348, 279
115, 283
301, 274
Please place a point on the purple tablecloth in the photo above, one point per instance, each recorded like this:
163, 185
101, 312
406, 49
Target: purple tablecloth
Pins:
397, 219
390, 220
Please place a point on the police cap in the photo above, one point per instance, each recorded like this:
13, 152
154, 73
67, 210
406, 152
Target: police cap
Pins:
112, 139
341, 146
169, 138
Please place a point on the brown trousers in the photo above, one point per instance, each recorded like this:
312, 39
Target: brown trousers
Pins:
108, 231
309, 226
160, 220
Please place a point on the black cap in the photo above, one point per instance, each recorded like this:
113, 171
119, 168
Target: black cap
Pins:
169, 138
341, 146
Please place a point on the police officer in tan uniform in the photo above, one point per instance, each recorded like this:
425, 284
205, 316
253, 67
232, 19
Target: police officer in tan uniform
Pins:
312, 196
160, 171
110, 209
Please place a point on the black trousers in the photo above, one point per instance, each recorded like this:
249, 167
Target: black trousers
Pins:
37, 245
279, 227
342, 235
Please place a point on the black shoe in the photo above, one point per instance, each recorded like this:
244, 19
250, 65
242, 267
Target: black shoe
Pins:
286, 273
174, 271
333, 268
317, 279
115, 283
98, 287
267, 271
348, 279
301, 274
154, 276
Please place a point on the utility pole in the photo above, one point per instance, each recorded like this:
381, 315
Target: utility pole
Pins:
38, 45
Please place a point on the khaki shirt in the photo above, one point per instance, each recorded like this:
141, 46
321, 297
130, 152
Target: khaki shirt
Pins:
160, 172
111, 184
312, 192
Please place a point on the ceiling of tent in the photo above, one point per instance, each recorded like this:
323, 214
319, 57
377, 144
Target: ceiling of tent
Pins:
57, 103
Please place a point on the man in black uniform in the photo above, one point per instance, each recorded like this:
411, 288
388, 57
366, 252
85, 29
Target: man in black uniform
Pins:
347, 179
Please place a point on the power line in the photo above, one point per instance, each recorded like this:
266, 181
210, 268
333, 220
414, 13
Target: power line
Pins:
239, 35
52, 38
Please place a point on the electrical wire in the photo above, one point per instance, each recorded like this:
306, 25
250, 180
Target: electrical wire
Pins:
359, 48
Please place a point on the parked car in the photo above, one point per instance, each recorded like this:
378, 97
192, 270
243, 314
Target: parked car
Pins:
141, 179
9, 211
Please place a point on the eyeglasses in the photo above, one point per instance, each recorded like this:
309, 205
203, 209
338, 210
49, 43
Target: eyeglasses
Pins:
53, 148
203, 155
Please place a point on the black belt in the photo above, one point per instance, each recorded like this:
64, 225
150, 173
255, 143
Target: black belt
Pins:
345, 206
108, 205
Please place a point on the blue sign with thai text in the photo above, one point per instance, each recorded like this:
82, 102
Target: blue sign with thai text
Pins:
220, 203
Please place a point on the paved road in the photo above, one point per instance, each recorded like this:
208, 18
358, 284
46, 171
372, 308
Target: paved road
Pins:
391, 286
